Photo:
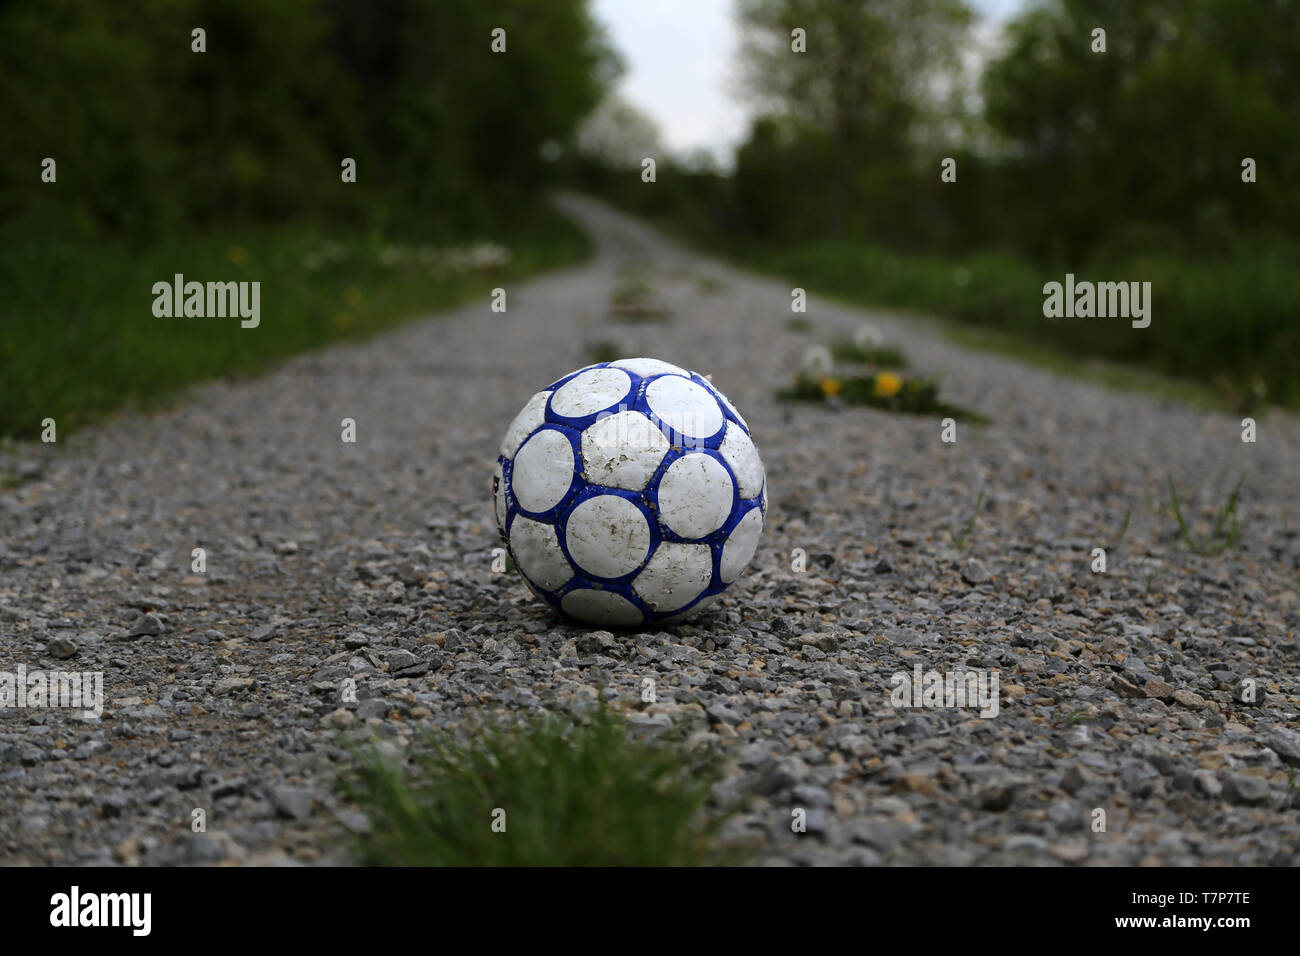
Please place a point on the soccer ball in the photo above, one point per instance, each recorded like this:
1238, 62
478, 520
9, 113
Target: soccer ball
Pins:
629, 493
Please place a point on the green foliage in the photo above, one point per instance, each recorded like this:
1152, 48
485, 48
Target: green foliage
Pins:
913, 395
603, 351
834, 157
1149, 135
169, 159
152, 138
78, 336
884, 356
576, 791
1231, 320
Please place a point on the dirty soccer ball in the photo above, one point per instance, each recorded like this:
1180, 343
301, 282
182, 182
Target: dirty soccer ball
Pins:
629, 493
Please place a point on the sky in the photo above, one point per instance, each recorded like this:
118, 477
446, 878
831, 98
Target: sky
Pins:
679, 57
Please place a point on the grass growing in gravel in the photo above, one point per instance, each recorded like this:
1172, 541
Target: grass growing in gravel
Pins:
576, 791
598, 352
78, 337
912, 395
1223, 535
635, 298
882, 356
709, 285
961, 538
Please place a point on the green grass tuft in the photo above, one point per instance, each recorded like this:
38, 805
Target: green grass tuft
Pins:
1225, 533
603, 352
635, 298
961, 539
885, 356
576, 791
915, 396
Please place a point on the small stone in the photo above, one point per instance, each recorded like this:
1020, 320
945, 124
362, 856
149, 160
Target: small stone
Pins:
148, 625
264, 633
808, 795
974, 573
780, 777
1124, 688
997, 798
1071, 851
373, 707
1241, 789
1025, 842
340, 719
400, 660
1189, 699
722, 714
1076, 778
292, 802
1207, 783
62, 648
229, 685
1158, 689
1286, 744
113, 804
596, 642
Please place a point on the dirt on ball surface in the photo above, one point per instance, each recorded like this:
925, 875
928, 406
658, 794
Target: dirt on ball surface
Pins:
372, 562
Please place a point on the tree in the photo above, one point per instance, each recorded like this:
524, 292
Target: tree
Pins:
1147, 138
857, 98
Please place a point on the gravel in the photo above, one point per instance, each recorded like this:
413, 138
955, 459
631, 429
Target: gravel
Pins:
349, 593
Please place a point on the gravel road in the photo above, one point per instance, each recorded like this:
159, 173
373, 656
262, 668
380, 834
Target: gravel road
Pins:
1119, 691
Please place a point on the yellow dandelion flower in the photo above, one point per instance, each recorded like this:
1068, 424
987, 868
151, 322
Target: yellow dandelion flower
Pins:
238, 255
887, 385
831, 387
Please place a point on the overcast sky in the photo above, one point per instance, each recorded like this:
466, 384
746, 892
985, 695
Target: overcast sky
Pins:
680, 62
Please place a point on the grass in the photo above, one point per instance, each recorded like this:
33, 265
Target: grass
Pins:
1123, 528
635, 298
1224, 534
961, 539
1117, 377
575, 791
883, 390
1222, 334
78, 337
709, 285
799, 324
882, 356
603, 351
1224, 325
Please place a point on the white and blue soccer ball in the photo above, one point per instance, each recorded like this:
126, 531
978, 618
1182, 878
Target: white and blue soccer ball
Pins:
630, 493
